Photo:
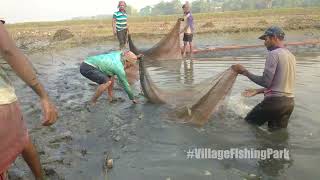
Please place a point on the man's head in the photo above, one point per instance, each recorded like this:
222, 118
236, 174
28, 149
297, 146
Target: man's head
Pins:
129, 58
186, 7
273, 36
122, 5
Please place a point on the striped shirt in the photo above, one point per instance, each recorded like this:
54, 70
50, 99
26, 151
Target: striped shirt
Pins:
121, 20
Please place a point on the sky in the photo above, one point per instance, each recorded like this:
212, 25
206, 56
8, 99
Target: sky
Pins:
14, 11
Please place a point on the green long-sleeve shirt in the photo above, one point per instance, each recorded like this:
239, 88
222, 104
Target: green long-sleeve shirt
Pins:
111, 64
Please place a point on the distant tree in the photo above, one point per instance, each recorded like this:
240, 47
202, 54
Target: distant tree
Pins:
288, 3
146, 11
165, 8
199, 6
248, 4
268, 3
232, 5
131, 11
177, 6
311, 3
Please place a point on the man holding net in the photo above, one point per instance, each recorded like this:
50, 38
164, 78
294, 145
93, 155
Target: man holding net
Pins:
278, 82
102, 68
188, 29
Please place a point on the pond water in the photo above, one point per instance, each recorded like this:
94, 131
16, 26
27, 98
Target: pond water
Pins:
141, 139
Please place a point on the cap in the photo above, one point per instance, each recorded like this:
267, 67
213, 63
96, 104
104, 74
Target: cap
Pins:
273, 31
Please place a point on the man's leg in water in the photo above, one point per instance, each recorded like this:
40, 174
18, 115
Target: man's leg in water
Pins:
258, 115
274, 110
30, 155
101, 88
190, 45
184, 48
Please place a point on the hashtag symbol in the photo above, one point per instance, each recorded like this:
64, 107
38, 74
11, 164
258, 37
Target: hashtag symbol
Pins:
190, 154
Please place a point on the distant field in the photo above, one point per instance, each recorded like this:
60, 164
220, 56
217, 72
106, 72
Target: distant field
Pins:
87, 31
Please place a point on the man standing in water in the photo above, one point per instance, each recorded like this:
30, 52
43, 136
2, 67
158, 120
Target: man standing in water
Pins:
14, 137
188, 29
278, 80
119, 24
102, 69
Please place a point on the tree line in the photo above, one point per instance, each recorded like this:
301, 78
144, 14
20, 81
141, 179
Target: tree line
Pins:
203, 6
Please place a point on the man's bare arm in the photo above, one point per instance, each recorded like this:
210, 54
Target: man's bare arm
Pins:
20, 64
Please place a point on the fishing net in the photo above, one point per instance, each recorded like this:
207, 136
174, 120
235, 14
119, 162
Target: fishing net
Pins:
194, 104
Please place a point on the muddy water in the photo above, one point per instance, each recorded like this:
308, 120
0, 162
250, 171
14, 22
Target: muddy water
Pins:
142, 140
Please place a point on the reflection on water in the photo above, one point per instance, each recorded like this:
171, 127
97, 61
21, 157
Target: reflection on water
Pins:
277, 141
188, 71
227, 129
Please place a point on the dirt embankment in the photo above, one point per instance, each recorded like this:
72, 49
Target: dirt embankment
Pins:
60, 35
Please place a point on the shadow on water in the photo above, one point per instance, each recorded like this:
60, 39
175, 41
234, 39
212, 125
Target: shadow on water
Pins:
144, 141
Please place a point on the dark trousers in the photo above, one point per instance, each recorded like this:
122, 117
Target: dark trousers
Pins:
187, 37
274, 110
122, 38
93, 73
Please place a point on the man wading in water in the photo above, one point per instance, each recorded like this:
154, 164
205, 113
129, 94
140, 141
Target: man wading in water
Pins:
14, 138
188, 29
278, 80
102, 69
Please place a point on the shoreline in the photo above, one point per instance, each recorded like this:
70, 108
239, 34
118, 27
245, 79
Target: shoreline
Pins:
41, 36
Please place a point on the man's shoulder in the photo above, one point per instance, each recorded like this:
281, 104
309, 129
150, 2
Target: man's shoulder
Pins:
281, 51
189, 15
115, 55
115, 52
280, 54
119, 13
99, 56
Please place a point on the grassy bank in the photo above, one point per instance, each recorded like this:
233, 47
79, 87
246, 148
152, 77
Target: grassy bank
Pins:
41, 34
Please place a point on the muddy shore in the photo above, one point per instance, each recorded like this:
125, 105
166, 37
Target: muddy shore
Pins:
42, 36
